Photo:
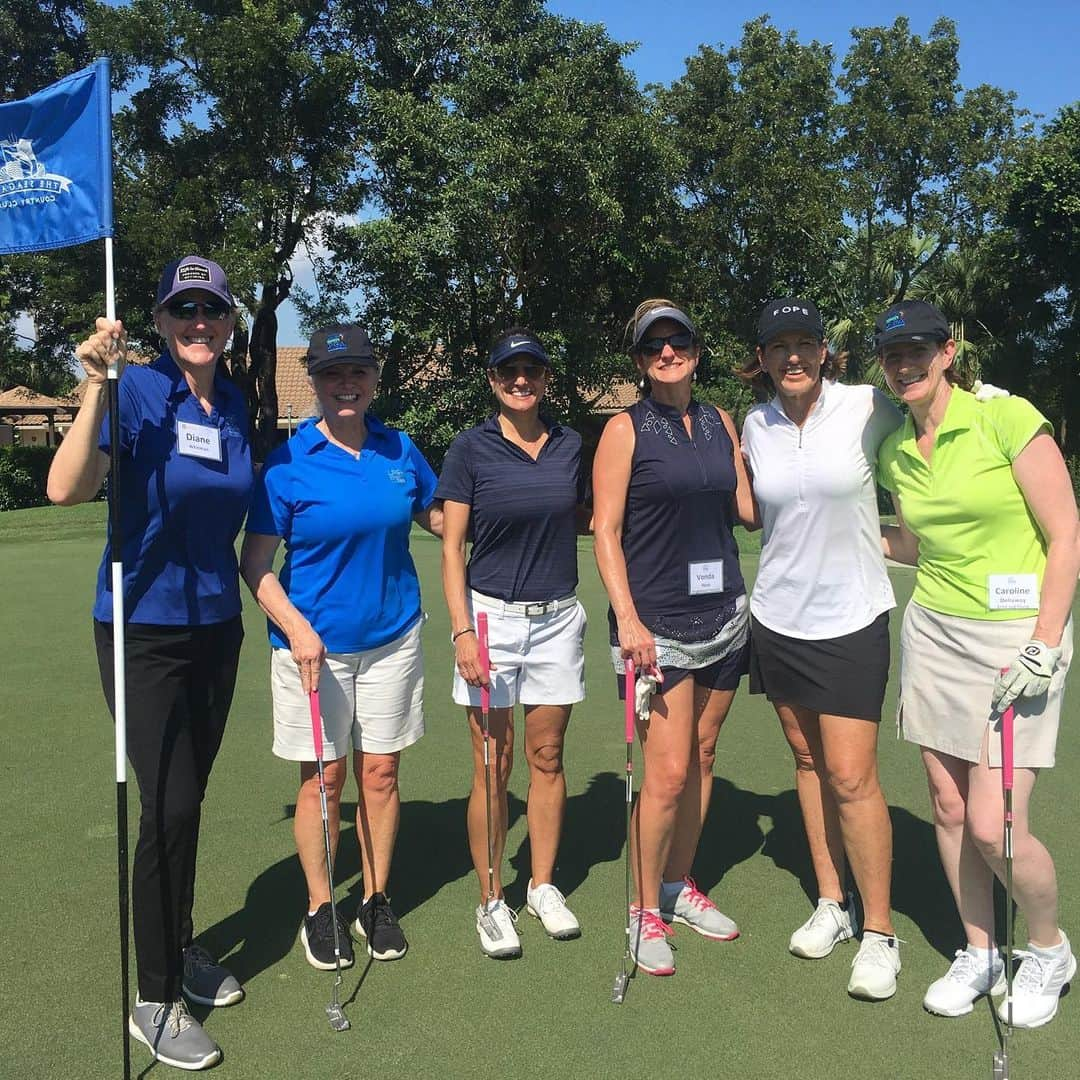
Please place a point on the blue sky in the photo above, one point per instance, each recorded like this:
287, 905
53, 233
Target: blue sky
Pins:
1029, 48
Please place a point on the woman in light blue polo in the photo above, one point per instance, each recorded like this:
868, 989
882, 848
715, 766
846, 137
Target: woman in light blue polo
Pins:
185, 478
345, 618
513, 486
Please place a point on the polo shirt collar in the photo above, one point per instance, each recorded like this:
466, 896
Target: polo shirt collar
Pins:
959, 414
311, 438
491, 425
171, 370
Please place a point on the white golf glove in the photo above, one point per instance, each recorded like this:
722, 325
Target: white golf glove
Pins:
1027, 676
984, 391
644, 689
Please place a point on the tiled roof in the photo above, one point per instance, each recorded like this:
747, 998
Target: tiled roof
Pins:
293, 387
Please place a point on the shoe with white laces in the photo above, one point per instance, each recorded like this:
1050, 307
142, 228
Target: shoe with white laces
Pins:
694, 909
823, 931
174, 1036
1037, 985
206, 982
546, 903
963, 984
875, 967
648, 942
495, 925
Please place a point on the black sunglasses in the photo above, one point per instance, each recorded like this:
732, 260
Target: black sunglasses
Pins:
512, 371
654, 346
213, 310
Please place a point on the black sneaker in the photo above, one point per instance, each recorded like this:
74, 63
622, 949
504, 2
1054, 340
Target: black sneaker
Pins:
378, 924
317, 937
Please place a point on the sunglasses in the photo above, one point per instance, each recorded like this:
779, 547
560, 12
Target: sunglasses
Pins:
212, 310
654, 346
508, 372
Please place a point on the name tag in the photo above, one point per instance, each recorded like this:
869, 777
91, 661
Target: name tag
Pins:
1012, 592
706, 577
198, 440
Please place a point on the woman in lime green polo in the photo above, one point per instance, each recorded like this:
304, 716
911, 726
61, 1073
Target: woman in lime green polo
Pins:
986, 513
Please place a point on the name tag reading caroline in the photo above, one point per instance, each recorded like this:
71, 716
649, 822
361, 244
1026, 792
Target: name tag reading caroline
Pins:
706, 577
1012, 592
197, 440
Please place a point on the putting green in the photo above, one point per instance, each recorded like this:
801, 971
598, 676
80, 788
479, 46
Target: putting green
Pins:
741, 1009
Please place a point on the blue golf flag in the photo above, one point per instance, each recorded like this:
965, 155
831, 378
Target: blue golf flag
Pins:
56, 167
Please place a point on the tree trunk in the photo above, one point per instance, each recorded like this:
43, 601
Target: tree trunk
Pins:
262, 389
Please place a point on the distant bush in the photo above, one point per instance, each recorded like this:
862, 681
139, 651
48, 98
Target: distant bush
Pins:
1073, 462
23, 471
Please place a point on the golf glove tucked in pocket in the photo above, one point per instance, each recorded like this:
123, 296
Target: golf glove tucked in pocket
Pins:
1028, 675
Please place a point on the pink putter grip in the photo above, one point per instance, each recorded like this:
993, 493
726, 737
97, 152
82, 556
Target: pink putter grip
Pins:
631, 702
485, 659
1007, 749
316, 721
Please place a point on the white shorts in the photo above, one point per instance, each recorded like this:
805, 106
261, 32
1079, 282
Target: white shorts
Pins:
538, 659
371, 701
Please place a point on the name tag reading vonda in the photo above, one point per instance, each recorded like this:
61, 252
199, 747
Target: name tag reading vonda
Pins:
1012, 592
706, 577
198, 440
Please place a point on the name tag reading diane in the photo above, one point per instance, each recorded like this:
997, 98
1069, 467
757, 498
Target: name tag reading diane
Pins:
706, 577
198, 441
1012, 592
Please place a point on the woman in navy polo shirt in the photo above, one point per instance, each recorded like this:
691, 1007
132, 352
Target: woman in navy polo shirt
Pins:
513, 485
185, 478
665, 483
344, 617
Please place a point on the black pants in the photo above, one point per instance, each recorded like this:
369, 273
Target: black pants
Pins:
180, 683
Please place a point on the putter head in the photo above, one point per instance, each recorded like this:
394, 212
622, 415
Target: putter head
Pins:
618, 991
336, 1015
1001, 1066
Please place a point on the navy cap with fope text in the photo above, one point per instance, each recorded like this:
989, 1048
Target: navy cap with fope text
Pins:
910, 320
789, 313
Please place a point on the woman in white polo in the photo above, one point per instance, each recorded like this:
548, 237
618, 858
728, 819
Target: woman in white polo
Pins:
513, 486
987, 514
820, 621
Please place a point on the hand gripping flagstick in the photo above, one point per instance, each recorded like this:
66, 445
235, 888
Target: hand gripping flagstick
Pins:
1001, 1058
338, 1020
491, 928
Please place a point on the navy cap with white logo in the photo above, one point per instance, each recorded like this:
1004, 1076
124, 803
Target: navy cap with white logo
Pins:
512, 345
190, 273
789, 313
910, 320
345, 343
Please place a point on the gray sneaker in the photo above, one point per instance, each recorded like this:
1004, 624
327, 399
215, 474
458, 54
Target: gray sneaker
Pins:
206, 982
694, 909
173, 1034
648, 942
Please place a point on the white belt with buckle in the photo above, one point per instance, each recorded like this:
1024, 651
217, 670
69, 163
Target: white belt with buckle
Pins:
542, 607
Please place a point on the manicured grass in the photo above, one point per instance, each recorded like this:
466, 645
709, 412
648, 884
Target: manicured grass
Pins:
742, 1009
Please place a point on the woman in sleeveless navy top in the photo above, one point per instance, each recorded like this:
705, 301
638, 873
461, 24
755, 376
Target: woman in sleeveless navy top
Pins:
668, 488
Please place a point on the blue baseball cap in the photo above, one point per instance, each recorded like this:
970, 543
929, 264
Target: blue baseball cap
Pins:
515, 344
910, 320
193, 272
344, 343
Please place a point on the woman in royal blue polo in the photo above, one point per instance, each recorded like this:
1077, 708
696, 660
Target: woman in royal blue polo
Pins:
185, 478
513, 485
345, 618
665, 482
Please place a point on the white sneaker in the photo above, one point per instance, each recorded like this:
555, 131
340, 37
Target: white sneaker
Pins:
875, 967
963, 984
1037, 985
495, 925
823, 931
547, 904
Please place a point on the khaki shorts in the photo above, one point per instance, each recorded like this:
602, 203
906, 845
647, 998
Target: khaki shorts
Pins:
371, 701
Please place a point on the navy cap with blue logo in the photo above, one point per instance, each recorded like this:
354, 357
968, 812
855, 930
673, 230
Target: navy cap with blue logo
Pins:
345, 343
515, 344
910, 320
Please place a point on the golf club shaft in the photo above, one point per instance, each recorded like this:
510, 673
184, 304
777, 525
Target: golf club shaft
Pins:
1007, 725
485, 723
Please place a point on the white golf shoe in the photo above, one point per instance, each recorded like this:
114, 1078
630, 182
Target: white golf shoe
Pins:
963, 984
823, 931
495, 925
875, 967
546, 903
1037, 985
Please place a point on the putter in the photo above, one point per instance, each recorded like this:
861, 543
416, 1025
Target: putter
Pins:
618, 992
491, 928
1001, 1057
334, 1012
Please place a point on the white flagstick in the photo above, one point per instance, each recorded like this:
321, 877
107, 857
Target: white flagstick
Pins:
116, 547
